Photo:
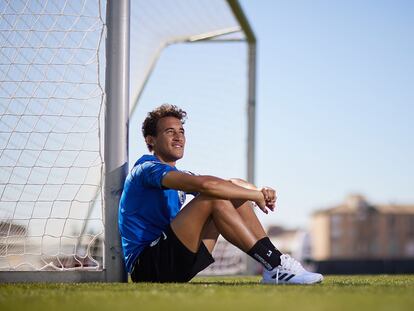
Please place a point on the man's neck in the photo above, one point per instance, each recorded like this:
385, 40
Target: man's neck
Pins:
165, 161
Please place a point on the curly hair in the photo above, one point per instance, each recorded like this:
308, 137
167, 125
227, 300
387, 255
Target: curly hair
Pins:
149, 126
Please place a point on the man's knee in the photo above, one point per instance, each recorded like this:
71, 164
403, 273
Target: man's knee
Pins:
209, 199
212, 205
215, 203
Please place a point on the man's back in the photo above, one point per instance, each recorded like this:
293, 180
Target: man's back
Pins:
146, 208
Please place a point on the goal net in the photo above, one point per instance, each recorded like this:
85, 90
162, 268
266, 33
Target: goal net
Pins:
52, 115
198, 60
51, 97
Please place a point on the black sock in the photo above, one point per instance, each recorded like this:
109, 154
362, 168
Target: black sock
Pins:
265, 254
269, 244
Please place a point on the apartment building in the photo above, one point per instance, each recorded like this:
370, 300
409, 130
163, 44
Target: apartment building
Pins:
360, 230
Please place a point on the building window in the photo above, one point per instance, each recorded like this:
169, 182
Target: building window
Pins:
374, 247
336, 226
409, 249
410, 229
335, 250
393, 247
391, 223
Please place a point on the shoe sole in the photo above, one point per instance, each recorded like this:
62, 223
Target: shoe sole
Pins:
291, 283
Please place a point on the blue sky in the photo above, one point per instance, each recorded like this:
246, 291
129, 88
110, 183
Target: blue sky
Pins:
335, 103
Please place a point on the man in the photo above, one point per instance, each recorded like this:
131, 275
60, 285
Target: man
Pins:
163, 242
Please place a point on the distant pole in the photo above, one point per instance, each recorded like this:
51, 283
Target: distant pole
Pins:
116, 131
251, 80
251, 112
251, 103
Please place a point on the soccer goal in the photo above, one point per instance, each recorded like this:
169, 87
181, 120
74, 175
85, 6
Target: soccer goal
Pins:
73, 75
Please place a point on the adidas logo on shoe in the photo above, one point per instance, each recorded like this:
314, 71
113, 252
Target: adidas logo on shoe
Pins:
290, 271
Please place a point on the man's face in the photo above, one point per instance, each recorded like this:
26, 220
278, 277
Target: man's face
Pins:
168, 144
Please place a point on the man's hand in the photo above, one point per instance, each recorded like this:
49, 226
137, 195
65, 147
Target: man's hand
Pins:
266, 199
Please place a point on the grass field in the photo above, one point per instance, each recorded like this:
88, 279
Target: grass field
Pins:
216, 293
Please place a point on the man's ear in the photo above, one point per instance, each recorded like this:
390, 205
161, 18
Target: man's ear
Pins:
149, 140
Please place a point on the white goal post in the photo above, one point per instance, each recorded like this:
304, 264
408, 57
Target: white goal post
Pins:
71, 76
52, 181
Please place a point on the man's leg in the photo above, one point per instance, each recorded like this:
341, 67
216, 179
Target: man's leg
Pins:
204, 218
192, 221
245, 209
210, 233
237, 222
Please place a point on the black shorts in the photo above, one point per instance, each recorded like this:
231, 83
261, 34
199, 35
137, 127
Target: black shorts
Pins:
168, 260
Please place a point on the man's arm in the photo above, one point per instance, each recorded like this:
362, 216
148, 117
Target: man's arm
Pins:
268, 193
242, 183
220, 188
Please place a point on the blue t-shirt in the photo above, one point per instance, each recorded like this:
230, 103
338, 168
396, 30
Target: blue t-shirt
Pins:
146, 207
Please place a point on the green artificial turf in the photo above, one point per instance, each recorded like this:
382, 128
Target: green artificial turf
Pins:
368, 293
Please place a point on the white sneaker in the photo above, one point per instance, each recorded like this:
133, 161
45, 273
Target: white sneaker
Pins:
290, 271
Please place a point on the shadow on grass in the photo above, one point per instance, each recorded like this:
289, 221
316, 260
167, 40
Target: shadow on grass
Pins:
225, 283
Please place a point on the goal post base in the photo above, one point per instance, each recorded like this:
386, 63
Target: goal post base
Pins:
52, 276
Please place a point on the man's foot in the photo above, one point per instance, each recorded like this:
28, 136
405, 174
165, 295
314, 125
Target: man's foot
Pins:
290, 271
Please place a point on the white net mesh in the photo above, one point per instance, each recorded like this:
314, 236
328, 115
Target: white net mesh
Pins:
52, 66
228, 260
207, 79
50, 108
158, 24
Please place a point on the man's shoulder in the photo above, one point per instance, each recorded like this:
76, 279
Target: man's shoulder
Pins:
150, 166
146, 158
